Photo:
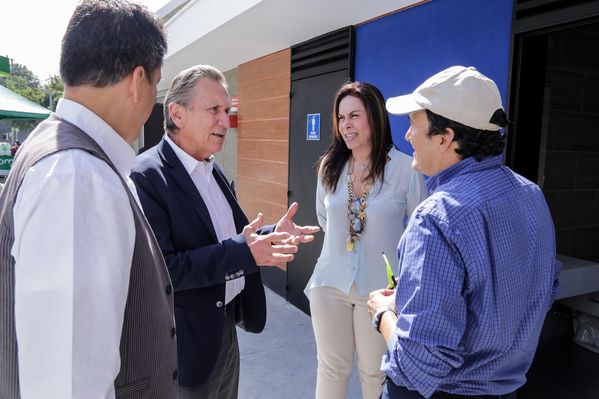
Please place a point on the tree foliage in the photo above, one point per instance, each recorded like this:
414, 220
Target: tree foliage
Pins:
25, 83
53, 91
18, 70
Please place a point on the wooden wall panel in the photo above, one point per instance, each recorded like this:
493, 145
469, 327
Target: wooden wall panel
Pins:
263, 170
272, 86
266, 191
263, 135
272, 129
278, 63
274, 150
270, 199
265, 108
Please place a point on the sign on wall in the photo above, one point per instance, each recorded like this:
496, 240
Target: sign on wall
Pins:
313, 127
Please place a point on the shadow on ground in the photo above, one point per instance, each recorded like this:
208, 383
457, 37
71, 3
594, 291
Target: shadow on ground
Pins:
280, 363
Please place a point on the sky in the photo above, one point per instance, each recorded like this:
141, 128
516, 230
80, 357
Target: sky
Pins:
31, 31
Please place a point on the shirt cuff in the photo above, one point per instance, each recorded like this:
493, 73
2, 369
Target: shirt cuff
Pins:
407, 373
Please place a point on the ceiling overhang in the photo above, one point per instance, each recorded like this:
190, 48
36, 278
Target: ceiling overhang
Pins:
227, 34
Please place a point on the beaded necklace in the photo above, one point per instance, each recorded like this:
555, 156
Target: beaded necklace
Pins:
356, 209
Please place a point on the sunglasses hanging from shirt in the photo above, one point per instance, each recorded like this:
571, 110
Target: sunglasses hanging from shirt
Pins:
356, 209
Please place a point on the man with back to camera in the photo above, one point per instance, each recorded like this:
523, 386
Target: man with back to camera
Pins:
211, 251
86, 304
477, 263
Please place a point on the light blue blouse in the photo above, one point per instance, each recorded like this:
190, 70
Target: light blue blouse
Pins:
387, 211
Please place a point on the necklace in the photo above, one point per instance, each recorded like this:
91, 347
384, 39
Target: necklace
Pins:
363, 167
356, 210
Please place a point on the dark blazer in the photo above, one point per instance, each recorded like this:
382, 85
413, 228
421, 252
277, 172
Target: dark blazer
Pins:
198, 263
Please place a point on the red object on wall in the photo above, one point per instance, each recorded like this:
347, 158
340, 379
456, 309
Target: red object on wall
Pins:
233, 111
233, 120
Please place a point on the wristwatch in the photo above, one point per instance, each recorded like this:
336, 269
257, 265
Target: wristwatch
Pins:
378, 315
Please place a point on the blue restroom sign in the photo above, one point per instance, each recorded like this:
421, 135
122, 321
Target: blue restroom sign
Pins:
313, 127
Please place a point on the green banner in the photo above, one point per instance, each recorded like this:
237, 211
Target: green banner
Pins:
5, 159
4, 66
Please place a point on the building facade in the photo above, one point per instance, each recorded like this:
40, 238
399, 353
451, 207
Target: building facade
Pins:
285, 59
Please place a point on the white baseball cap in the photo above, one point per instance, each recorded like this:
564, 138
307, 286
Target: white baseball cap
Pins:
457, 93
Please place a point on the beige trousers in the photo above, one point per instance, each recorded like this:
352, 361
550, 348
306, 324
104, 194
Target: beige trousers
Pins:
342, 326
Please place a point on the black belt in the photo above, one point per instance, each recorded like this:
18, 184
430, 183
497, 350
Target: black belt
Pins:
446, 395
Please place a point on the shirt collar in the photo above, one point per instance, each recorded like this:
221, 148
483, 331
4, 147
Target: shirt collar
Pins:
190, 163
116, 148
467, 165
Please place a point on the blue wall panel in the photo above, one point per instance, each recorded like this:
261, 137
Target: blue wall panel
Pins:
398, 52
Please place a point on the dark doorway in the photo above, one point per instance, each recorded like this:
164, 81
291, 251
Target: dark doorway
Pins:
318, 68
554, 142
153, 128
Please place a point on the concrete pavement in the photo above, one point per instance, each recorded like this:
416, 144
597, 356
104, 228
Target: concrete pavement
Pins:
280, 362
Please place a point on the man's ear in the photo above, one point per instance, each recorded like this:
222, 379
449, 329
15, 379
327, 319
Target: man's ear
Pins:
136, 86
175, 110
446, 142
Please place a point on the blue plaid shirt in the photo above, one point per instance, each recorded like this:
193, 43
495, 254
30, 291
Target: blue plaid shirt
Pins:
477, 274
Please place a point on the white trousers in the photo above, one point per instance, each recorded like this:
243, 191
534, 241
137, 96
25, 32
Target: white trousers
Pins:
342, 326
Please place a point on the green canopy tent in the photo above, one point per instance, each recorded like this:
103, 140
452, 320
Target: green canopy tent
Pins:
13, 106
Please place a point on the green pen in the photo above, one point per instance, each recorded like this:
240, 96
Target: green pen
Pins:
390, 275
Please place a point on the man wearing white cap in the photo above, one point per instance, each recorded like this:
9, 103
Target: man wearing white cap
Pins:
477, 264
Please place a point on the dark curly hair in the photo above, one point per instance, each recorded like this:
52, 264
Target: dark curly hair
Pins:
338, 154
471, 142
107, 39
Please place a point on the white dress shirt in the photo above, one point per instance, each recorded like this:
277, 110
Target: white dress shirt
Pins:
216, 202
74, 240
388, 207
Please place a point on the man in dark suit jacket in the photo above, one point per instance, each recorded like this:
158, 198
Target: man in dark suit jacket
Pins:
211, 251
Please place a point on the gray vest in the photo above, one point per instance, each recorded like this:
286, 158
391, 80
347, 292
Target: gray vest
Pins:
148, 345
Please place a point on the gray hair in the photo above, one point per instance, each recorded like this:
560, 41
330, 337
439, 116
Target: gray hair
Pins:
180, 90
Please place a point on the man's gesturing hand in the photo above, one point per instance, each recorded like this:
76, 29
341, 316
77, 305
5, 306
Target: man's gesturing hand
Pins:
268, 249
299, 234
